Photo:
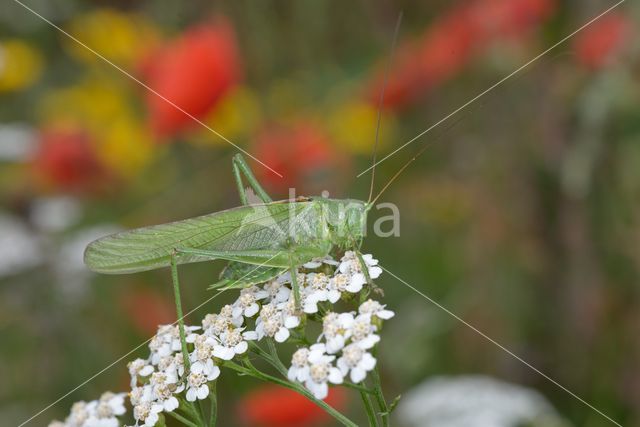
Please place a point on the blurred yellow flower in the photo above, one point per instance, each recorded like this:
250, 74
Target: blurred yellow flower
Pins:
353, 126
121, 37
20, 65
102, 107
236, 117
126, 147
94, 102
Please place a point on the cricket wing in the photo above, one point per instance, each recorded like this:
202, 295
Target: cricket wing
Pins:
148, 248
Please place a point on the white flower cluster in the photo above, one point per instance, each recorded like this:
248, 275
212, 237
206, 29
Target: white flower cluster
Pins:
347, 337
157, 381
97, 413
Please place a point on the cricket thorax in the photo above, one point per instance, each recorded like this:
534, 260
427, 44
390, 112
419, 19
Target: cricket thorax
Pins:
346, 220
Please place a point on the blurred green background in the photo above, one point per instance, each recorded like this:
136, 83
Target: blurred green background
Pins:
522, 217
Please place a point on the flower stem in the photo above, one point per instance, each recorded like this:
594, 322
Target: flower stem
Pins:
292, 386
276, 359
201, 416
213, 415
382, 403
190, 409
357, 387
182, 419
371, 415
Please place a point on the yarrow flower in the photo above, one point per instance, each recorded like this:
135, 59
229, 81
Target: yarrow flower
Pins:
299, 370
350, 265
276, 290
363, 332
336, 329
375, 309
197, 387
97, 413
269, 310
230, 343
167, 341
345, 334
357, 361
164, 388
147, 413
318, 290
271, 324
202, 356
215, 324
139, 369
315, 368
247, 304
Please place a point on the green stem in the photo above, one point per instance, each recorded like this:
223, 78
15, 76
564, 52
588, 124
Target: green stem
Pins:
371, 415
253, 346
292, 386
178, 301
193, 412
301, 337
201, 416
182, 419
357, 387
271, 357
382, 403
276, 359
213, 416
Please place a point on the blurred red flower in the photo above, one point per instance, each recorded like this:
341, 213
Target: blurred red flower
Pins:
298, 152
65, 159
147, 309
508, 18
194, 72
276, 406
451, 42
597, 45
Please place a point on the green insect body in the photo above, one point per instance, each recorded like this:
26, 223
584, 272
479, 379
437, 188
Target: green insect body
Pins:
240, 275
260, 240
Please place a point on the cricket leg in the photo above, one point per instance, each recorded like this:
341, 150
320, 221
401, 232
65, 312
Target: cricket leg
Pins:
293, 270
176, 294
260, 257
266, 257
241, 167
289, 259
365, 270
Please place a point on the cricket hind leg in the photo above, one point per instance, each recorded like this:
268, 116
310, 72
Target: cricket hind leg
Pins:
260, 257
240, 168
265, 257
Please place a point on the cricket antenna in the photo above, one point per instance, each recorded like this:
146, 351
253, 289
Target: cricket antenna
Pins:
381, 103
413, 159
397, 174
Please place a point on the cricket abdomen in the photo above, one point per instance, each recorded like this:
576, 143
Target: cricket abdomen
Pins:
272, 225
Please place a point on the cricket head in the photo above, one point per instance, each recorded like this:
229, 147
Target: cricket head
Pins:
346, 220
